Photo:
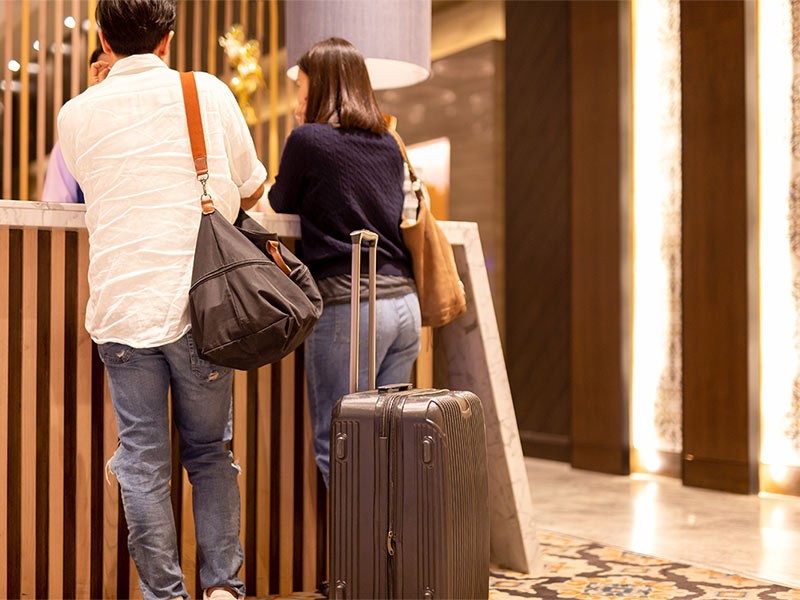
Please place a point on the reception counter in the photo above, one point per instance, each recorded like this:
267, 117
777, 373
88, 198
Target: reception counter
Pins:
66, 533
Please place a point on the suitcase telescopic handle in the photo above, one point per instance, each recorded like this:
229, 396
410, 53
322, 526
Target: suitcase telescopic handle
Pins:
358, 238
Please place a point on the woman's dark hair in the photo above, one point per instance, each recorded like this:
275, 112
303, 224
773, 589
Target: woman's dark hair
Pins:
338, 84
135, 26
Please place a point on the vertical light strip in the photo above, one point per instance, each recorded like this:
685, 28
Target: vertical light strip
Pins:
197, 20
259, 128
181, 35
778, 316
243, 17
213, 44
656, 381
25, 102
58, 63
273, 89
75, 54
41, 101
8, 112
228, 15
91, 41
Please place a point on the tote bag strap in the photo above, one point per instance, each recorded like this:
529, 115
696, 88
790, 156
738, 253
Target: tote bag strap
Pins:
191, 103
416, 185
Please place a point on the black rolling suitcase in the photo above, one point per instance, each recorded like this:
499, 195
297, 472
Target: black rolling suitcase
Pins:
409, 485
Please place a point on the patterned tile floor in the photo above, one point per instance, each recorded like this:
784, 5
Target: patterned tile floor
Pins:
573, 568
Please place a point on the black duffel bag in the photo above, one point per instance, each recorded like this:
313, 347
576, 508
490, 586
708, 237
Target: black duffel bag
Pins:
251, 301
246, 310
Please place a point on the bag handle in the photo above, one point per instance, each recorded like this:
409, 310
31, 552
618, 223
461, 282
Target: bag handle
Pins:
357, 238
191, 104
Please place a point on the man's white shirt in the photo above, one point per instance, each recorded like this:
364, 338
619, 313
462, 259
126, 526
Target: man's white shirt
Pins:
126, 142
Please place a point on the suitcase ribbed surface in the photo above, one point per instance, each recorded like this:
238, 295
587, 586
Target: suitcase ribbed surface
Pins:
436, 507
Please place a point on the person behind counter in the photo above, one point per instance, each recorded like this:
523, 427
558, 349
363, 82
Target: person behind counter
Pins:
126, 142
341, 171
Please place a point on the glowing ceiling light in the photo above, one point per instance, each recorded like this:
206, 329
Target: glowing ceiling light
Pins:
36, 45
70, 22
13, 65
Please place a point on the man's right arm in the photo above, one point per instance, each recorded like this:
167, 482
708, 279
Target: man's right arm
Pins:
247, 172
251, 201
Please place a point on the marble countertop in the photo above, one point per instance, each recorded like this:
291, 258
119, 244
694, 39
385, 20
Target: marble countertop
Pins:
21, 213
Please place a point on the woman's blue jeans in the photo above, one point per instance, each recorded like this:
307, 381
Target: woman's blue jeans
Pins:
327, 355
139, 379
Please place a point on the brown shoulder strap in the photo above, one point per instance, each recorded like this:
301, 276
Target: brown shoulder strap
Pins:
191, 104
411, 173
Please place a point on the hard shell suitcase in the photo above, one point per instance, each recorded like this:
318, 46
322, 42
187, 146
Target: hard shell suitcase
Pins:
409, 484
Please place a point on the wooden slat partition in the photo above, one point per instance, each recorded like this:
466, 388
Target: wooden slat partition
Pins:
60, 72
66, 534
274, 153
259, 100
74, 57
41, 102
8, 105
27, 415
180, 34
83, 431
57, 383
5, 256
58, 64
25, 105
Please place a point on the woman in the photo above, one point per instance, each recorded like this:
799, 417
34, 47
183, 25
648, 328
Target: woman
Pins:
342, 171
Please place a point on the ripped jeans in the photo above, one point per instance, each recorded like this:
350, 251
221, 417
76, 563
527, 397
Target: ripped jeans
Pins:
201, 407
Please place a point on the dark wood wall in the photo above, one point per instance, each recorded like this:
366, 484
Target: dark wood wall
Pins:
568, 231
537, 100
720, 403
600, 236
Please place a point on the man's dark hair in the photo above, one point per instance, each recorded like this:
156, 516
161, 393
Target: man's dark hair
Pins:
135, 26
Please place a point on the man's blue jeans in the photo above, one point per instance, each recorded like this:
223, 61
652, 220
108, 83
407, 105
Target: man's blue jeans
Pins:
139, 379
328, 359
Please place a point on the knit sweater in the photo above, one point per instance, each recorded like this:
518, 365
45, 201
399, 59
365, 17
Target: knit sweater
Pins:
337, 181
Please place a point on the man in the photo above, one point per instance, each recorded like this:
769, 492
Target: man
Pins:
126, 142
59, 184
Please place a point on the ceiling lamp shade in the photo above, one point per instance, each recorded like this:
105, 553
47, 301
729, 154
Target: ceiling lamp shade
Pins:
393, 35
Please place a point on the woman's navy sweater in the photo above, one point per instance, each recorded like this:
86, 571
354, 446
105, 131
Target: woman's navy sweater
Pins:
340, 180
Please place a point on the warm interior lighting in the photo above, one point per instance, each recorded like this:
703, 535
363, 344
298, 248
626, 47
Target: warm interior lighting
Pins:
778, 316
655, 418
645, 517
431, 160
778, 473
69, 22
14, 65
